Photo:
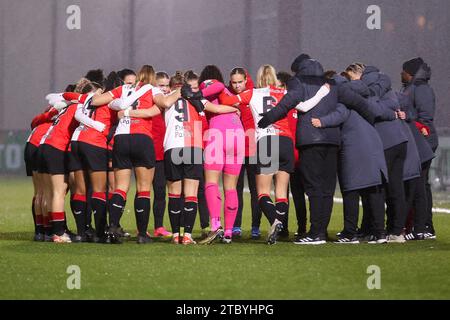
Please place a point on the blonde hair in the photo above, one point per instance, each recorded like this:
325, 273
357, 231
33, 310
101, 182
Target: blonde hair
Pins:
266, 76
356, 67
147, 75
81, 84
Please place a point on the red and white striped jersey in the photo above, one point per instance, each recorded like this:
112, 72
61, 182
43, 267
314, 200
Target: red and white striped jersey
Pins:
41, 123
130, 125
86, 134
38, 132
183, 126
91, 136
59, 134
261, 101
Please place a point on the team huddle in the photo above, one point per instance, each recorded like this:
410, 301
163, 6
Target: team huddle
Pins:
192, 139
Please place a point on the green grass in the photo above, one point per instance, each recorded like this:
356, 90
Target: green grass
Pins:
243, 270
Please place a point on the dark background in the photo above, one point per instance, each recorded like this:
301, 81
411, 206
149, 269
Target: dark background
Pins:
39, 54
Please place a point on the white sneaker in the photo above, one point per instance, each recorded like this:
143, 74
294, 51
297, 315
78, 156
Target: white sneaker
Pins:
187, 239
226, 240
378, 240
392, 238
64, 238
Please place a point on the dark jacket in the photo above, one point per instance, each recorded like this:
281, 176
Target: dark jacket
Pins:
393, 133
304, 86
379, 85
421, 97
361, 159
423, 147
412, 167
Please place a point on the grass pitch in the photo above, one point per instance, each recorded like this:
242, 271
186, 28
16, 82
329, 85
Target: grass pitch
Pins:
246, 269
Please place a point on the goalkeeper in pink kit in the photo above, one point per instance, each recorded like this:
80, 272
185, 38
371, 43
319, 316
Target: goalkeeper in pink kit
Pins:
224, 155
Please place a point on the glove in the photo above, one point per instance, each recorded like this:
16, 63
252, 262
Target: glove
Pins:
188, 94
186, 91
198, 95
198, 105
264, 122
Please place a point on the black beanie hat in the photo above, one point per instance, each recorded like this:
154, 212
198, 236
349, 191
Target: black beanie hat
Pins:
413, 65
296, 64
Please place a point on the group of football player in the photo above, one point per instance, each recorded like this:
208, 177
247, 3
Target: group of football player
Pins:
192, 139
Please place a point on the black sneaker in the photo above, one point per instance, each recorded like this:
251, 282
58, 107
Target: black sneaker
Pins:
348, 240
283, 234
430, 233
39, 237
381, 239
299, 235
429, 236
311, 240
144, 239
90, 235
102, 239
106, 239
414, 236
71, 234
113, 236
79, 238
122, 233
365, 237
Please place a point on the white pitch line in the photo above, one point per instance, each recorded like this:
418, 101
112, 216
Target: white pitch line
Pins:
339, 200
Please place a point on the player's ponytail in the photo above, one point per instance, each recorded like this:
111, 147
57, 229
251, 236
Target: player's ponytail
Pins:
266, 76
79, 86
177, 80
147, 75
91, 87
355, 69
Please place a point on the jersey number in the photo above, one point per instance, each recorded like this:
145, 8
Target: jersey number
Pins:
58, 118
268, 103
135, 104
182, 108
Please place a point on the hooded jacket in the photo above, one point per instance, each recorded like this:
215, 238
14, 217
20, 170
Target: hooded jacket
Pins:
419, 95
303, 86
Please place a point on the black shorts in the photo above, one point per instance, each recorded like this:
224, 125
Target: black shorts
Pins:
183, 163
85, 156
275, 153
110, 157
52, 160
133, 150
31, 158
